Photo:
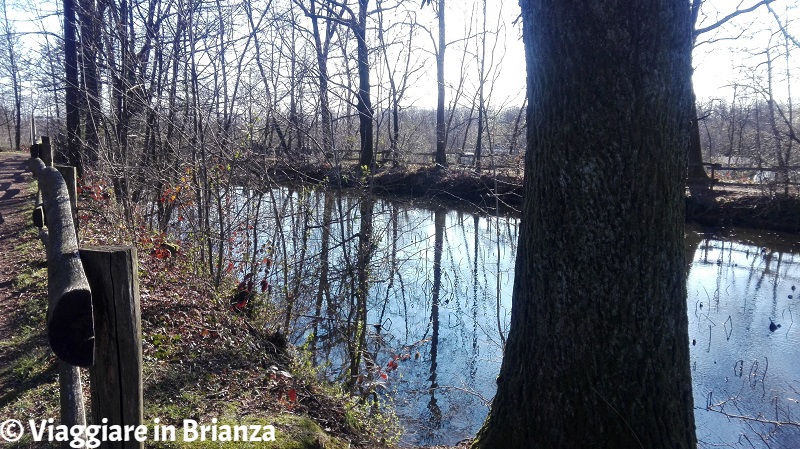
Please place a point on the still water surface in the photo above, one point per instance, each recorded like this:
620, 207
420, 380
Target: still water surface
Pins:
440, 297
746, 339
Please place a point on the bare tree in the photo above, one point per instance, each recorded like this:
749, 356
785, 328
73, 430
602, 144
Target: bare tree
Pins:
13, 70
697, 173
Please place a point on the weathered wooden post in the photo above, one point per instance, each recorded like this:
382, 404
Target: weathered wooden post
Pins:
44, 152
70, 327
93, 315
73, 408
116, 377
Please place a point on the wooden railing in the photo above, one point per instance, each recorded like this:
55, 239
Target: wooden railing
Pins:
93, 317
772, 184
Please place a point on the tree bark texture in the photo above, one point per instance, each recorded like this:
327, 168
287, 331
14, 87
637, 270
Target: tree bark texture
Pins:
598, 351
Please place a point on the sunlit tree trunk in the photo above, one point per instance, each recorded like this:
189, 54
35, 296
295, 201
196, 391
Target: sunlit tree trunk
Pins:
598, 351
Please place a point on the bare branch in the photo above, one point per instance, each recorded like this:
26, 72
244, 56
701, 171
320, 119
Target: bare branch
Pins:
751, 418
782, 27
725, 19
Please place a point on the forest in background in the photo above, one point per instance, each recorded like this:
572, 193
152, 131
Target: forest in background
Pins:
144, 89
158, 82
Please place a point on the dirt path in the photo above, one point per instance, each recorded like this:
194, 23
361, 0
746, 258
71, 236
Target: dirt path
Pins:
15, 195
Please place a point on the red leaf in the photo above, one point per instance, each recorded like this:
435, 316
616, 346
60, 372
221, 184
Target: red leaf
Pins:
384, 376
292, 395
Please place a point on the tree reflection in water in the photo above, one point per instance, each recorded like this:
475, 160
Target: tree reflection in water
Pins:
372, 284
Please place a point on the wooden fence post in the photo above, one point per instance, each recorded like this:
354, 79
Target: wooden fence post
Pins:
73, 407
69, 328
116, 377
73, 411
46, 151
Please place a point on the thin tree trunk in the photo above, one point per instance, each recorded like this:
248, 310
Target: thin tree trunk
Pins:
364, 104
13, 66
323, 292
697, 173
441, 134
481, 100
322, 46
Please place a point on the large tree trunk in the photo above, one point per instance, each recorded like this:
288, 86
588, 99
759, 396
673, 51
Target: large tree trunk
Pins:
697, 173
598, 352
696, 177
71, 87
90, 17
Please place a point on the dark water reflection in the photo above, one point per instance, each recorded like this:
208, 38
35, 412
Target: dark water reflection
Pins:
427, 335
744, 321
412, 306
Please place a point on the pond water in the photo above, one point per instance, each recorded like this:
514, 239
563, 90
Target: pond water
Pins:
437, 311
743, 291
